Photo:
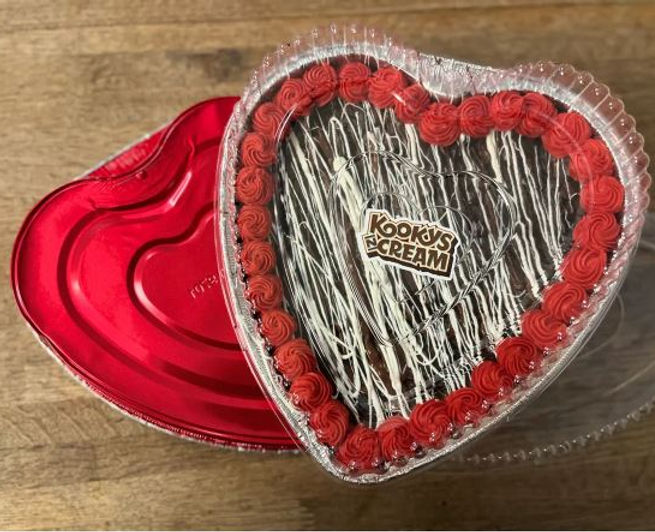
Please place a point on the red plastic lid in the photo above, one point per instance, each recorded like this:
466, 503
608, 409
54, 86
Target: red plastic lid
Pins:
117, 274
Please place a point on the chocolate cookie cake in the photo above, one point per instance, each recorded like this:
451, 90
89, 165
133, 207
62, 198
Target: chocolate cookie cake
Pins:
415, 246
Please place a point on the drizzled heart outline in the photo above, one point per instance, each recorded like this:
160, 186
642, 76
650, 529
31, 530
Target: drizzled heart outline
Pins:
575, 91
504, 238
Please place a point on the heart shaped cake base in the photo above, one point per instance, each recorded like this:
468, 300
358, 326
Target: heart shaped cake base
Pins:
415, 247
116, 274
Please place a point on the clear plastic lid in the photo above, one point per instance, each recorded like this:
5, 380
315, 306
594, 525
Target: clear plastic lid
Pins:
414, 247
608, 386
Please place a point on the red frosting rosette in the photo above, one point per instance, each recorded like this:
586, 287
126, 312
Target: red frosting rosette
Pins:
396, 440
567, 134
591, 160
518, 356
538, 114
360, 451
293, 97
506, 110
430, 423
584, 266
254, 186
411, 102
597, 230
269, 120
257, 257
254, 222
543, 329
264, 291
491, 380
310, 390
465, 406
439, 124
564, 300
602, 193
277, 326
294, 358
257, 150
385, 86
474, 118
353, 82
321, 83
330, 422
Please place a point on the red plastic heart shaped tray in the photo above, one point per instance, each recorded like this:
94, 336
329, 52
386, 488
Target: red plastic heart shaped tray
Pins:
116, 273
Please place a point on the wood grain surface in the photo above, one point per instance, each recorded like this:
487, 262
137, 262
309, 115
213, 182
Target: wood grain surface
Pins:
79, 80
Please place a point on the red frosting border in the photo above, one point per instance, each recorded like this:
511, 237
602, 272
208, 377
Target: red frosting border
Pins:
564, 134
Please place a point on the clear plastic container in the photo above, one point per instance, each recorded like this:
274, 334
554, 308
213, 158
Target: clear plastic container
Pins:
608, 386
414, 247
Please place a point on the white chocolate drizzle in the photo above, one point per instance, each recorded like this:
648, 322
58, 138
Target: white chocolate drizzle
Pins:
388, 337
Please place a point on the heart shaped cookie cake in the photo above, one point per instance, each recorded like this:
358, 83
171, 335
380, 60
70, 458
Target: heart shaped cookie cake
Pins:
414, 246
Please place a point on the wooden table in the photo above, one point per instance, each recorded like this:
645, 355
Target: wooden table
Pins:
79, 80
